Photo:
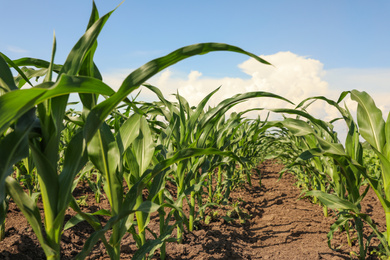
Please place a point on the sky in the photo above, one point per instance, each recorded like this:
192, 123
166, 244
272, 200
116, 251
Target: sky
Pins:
316, 47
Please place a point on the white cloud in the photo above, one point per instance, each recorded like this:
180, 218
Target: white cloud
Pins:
114, 78
291, 76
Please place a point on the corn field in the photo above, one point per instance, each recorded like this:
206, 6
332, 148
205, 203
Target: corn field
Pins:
128, 150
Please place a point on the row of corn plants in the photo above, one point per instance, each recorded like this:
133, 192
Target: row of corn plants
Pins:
335, 173
141, 144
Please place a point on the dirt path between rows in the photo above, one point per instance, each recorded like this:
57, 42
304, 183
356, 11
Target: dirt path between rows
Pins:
278, 226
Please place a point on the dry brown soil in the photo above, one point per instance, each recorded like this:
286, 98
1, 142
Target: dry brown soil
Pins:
278, 226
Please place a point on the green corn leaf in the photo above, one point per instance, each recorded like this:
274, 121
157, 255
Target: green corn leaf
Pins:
104, 153
29, 73
333, 201
226, 104
182, 109
7, 82
143, 146
157, 186
342, 96
14, 147
381, 236
199, 110
94, 222
81, 217
340, 223
386, 148
3, 216
73, 221
30, 210
296, 126
102, 212
331, 148
301, 128
179, 156
159, 95
48, 181
50, 69
128, 132
76, 56
88, 67
185, 109
385, 173
94, 15
320, 123
146, 207
208, 121
152, 245
352, 142
75, 158
370, 120
38, 63
140, 75
132, 164
329, 101
15, 103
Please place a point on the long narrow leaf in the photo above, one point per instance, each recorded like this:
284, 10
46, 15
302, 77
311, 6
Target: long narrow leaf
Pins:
333, 202
140, 75
15, 103
74, 60
75, 158
30, 210
370, 120
14, 147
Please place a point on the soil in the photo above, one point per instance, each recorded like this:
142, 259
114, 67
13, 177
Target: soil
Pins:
275, 224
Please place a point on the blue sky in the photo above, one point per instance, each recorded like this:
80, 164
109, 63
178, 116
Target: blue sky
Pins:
338, 33
329, 46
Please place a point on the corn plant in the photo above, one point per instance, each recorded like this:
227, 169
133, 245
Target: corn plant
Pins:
349, 176
375, 130
372, 162
353, 169
247, 142
197, 128
124, 156
3, 216
25, 173
44, 145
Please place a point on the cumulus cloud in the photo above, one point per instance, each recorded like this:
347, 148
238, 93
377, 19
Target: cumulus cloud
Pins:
115, 77
291, 76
